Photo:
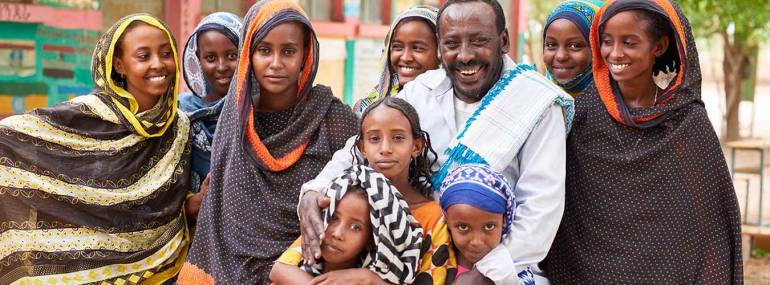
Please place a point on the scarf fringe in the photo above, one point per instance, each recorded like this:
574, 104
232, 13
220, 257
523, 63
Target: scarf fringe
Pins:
463, 154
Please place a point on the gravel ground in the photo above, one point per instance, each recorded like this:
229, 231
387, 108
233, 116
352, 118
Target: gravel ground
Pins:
757, 271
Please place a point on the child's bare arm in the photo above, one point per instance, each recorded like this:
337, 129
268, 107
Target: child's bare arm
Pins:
284, 274
349, 276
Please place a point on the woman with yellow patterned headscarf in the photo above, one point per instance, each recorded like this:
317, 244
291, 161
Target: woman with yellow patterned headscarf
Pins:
92, 190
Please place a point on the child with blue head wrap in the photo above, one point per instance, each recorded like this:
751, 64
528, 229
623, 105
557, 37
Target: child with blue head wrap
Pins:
566, 50
479, 206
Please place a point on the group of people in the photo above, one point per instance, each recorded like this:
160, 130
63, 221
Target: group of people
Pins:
459, 167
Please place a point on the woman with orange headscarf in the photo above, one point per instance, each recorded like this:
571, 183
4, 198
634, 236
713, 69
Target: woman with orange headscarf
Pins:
276, 131
649, 199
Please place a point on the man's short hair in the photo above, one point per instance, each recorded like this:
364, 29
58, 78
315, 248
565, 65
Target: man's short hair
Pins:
499, 15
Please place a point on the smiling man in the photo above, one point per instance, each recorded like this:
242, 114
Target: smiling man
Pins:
481, 107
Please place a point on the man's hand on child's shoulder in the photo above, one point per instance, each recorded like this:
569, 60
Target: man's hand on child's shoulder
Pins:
310, 224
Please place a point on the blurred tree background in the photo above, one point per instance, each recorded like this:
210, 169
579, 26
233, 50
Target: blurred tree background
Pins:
741, 26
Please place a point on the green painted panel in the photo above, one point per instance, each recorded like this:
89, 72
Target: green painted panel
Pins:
14, 30
350, 64
21, 89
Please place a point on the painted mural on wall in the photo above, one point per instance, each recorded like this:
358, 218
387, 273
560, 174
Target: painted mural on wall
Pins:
41, 64
17, 58
72, 4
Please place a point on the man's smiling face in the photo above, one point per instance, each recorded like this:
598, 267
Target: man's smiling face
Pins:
471, 48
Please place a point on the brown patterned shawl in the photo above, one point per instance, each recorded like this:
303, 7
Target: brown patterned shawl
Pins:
249, 217
649, 199
91, 192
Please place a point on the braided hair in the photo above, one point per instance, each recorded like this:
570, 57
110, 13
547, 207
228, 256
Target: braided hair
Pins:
420, 168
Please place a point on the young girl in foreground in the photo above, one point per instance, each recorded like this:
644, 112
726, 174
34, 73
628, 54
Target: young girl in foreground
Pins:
360, 233
392, 142
478, 203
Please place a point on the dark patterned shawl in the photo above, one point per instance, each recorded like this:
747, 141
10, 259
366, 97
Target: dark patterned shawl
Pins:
649, 198
249, 217
90, 191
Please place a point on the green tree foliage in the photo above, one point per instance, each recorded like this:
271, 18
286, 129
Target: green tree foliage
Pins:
538, 11
750, 18
742, 25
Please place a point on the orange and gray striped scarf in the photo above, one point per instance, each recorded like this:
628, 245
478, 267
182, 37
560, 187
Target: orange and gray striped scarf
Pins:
92, 191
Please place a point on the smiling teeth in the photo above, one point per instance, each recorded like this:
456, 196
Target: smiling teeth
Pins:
407, 69
157, 78
618, 67
469, 71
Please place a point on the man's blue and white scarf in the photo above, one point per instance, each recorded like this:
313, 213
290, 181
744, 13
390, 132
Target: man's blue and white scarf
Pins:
506, 116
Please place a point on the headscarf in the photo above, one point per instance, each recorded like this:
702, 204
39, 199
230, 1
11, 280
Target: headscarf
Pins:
397, 234
387, 84
649, 199
92, 192
260, 160
108, 83
261, 20
481, 187
227, 24
581, 13
203, 115
681, 58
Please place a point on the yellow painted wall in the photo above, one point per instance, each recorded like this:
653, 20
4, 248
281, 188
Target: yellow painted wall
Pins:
35, 101
331, 64
6, 104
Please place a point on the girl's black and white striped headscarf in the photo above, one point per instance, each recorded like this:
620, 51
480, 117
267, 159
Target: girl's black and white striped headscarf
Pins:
397, 234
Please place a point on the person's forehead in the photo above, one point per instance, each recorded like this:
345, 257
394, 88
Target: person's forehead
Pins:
476, 15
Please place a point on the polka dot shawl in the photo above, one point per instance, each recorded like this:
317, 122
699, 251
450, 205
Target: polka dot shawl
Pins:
649, 199
248, 217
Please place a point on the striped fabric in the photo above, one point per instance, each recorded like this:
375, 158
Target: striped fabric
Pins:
397, 234
88, 196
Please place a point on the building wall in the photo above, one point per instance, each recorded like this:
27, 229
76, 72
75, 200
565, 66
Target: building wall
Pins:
45, 52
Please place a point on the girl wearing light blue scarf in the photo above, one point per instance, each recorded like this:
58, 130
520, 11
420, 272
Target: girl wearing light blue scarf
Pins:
208, 67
